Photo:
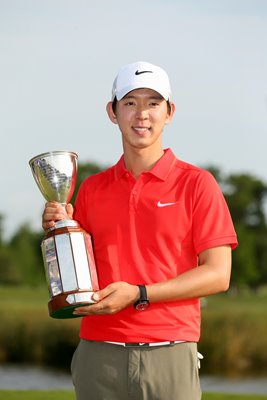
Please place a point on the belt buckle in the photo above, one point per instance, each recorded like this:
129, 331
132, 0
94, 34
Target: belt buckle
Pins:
136, 344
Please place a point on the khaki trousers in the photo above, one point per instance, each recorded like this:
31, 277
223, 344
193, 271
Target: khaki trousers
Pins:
103, 371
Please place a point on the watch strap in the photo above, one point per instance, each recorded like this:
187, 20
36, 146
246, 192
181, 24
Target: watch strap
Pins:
143, 293
142, 303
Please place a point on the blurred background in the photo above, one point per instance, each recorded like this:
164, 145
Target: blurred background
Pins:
58, 60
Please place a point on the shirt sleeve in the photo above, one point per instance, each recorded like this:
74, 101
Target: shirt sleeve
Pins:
212, 222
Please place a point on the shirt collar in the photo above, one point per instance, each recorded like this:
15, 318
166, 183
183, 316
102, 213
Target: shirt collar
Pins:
160, 170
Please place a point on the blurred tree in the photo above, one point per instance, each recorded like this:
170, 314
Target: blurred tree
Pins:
245, 271
1, 229
9, 274
246, 196
27, 256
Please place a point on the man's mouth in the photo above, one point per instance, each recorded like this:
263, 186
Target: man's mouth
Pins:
141, 129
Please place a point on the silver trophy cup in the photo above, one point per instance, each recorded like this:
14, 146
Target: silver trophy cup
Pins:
67, 249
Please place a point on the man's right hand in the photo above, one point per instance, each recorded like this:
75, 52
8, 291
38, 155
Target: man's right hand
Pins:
55, 212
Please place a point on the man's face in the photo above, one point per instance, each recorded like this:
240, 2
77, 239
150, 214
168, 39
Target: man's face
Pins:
141, 116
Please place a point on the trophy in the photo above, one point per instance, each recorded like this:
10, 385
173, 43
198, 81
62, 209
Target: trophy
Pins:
66, 248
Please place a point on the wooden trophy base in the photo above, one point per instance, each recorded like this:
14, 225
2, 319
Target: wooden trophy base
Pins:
63, 305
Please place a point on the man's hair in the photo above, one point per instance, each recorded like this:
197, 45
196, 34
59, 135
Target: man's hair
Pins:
114, 103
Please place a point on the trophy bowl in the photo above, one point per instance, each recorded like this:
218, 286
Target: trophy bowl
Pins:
55, 174
66, 248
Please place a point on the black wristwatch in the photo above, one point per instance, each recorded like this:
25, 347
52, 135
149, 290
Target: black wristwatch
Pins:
142, 303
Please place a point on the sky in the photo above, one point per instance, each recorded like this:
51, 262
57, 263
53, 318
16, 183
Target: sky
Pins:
58, 60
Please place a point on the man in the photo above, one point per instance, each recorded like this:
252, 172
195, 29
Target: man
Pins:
162, 238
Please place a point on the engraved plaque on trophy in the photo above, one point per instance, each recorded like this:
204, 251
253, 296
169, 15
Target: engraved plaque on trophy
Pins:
67, 249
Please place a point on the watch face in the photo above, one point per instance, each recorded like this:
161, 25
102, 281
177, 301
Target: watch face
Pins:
141, 305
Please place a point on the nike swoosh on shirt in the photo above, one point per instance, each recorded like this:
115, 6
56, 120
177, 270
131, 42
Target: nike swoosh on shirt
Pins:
160, 204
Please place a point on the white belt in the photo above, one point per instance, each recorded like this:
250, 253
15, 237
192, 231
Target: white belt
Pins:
152, 344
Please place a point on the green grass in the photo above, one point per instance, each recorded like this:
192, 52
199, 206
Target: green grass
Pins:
222, 396
68, 395
253, 304
36, 395
17, 298
227, 324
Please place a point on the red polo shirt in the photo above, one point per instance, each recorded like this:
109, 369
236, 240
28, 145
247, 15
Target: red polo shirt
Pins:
149, 230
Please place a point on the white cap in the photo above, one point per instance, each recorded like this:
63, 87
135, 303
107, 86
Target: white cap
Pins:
141, 75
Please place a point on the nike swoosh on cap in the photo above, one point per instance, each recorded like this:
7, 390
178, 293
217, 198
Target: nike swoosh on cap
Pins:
142, 72
160, 204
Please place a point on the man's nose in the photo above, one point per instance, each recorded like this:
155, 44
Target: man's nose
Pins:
141, 112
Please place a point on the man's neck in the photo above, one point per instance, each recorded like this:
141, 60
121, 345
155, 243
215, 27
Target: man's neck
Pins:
141, 160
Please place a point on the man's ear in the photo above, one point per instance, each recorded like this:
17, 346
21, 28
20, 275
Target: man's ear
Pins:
170, 113
110, 112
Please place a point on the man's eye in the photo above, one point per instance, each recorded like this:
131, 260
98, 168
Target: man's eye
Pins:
129, 103
154, 104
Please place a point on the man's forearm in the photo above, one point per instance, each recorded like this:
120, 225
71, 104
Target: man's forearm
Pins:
210, 277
